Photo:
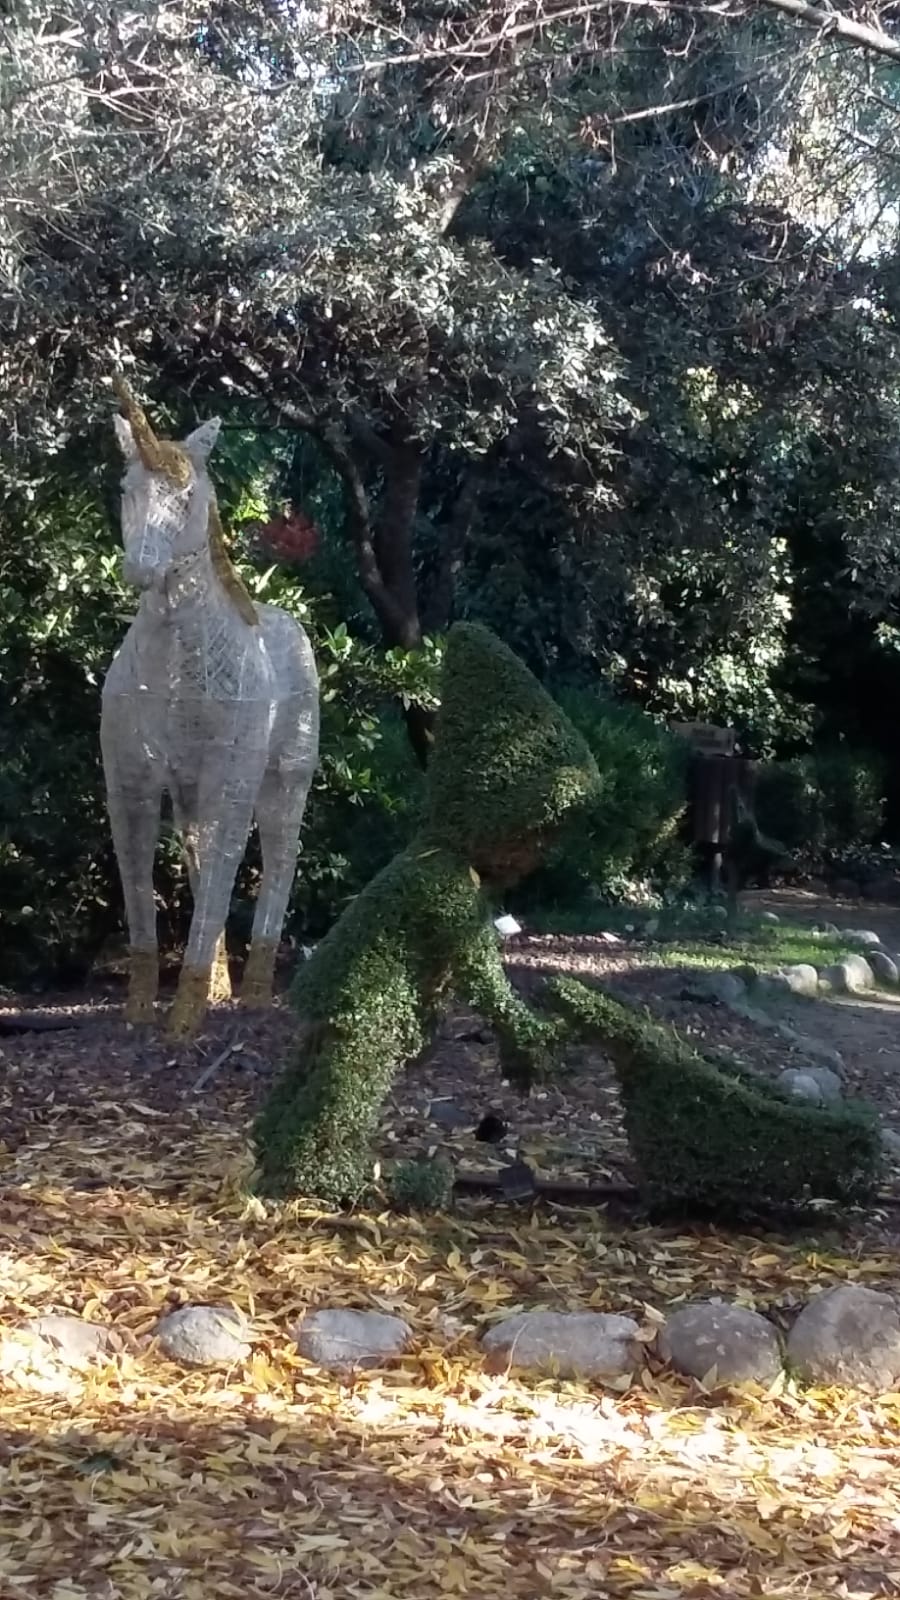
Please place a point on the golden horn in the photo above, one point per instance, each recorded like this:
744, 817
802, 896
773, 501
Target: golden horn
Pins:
158, 455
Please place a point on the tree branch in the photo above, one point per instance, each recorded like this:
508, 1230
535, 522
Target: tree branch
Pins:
453, 543
390, 612
836, 24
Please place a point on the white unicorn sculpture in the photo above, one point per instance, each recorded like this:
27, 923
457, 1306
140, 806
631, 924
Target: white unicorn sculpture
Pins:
215, 701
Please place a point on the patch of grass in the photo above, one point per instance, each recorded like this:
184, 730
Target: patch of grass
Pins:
763, 946
701, 936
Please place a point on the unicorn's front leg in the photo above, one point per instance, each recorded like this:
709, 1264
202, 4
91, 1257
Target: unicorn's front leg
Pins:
222, 840
279, 814
134, 813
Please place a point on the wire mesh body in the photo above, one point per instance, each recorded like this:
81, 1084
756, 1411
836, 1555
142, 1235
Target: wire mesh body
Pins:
216, 702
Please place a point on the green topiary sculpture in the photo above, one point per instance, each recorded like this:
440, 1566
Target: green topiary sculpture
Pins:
508, 771
706, 1133
507, 774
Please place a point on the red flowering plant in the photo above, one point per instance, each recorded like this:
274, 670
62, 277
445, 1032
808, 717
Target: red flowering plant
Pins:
290, 536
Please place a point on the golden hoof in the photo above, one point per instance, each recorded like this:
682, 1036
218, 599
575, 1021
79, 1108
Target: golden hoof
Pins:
189, 1006
259, 974
143, 982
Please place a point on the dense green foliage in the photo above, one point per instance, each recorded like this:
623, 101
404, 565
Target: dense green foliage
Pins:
421, 930
507, 769
706, 1134
630, 841
422, 1185
825, 804
613, 368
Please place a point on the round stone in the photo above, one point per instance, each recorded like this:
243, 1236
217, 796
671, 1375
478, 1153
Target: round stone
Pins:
713, 1340
800, 979
340, 1337
801, 1086
861, 938
587, 1344
851, 976
848, 1336
884, 968
69, 1340
890, 1143
204, 1336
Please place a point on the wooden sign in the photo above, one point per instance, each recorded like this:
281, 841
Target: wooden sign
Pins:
705, 738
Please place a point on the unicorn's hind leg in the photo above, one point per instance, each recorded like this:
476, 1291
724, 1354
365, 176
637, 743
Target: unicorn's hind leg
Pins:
222, 829
279, 815
220, 975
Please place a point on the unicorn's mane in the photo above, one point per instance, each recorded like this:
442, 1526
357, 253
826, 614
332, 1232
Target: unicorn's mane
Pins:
224, 568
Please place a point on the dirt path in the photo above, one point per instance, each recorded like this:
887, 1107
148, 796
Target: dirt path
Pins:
865, 1031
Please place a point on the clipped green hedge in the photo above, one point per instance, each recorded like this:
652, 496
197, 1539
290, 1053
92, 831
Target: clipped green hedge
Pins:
508, 769
721, 1140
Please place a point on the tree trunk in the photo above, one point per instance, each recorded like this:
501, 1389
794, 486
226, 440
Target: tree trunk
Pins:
384, 554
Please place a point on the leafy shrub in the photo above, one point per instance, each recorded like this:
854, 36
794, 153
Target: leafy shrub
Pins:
787, 805
852, 797
633, 831
709, 1134
822, 804
506, 771
423, 1185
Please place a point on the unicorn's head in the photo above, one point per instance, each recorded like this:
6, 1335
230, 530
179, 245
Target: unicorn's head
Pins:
169, 512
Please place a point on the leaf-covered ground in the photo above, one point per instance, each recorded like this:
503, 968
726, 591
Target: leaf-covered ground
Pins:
122, 1198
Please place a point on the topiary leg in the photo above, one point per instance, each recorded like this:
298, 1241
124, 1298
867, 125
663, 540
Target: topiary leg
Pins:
313, 1136
703, 1134
529, 1043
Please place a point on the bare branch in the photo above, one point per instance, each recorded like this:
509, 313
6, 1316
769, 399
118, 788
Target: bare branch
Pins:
836, 24
389, 611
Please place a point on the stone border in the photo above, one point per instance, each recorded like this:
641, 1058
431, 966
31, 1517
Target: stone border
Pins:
848, 1336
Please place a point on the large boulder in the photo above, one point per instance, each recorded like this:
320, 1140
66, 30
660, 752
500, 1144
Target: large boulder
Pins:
884, 968
585, 1344
69, 1340
818, 1085
338, 1337
848, 1336
801, 1085
711, 1338
800, 980
850, 976
204, 1336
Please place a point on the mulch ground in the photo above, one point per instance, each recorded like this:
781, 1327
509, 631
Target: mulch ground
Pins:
123, 1197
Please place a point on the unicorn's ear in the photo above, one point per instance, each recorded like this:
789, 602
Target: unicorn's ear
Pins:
125, 436
199, 444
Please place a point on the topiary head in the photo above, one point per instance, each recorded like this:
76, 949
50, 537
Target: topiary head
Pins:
508, 772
